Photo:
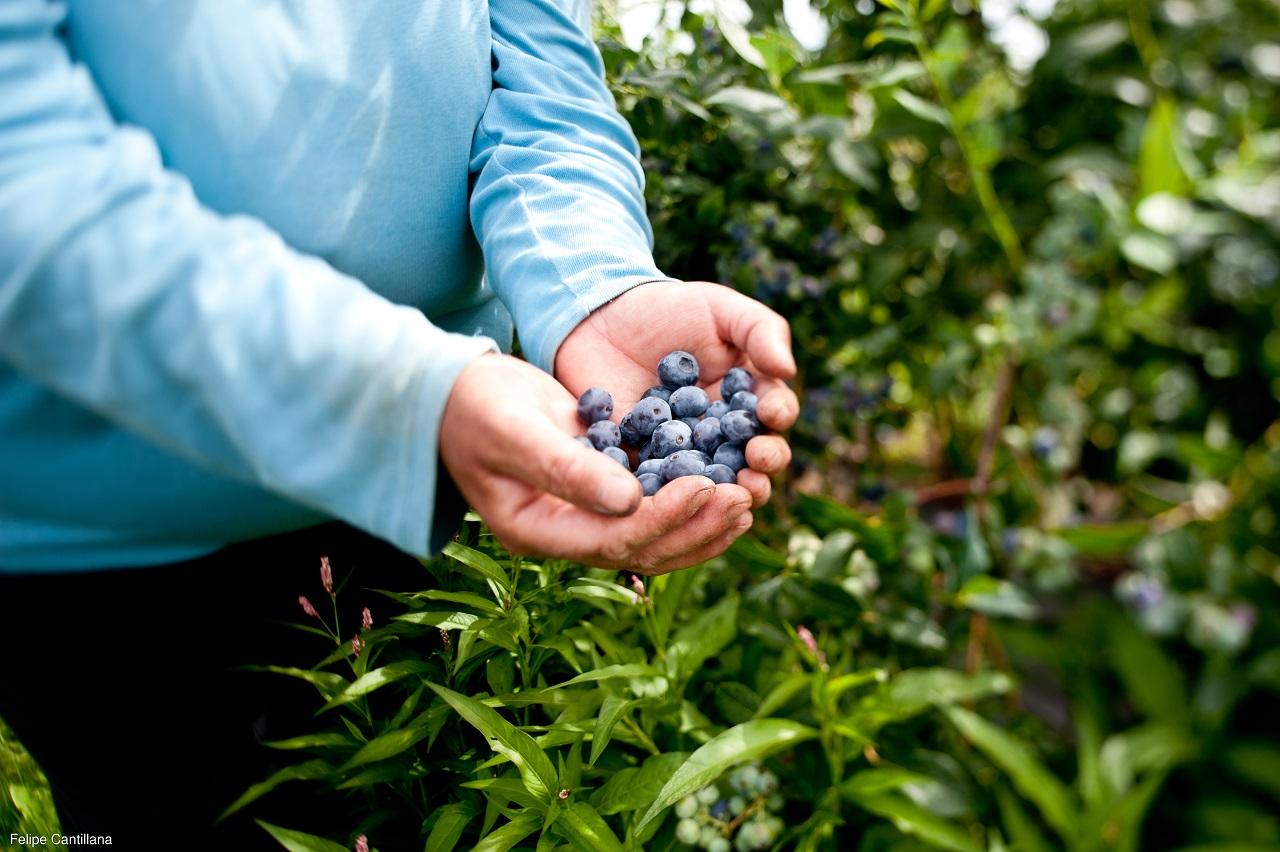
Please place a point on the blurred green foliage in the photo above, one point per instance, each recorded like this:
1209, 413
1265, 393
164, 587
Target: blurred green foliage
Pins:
1020, 590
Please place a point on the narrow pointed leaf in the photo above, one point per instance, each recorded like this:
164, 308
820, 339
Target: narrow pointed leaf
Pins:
297, 841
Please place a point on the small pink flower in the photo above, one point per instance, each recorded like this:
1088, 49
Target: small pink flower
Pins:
812, 644
326, 575
356, 644
366, 619
444, 637
362, 844
307, 608
563, 794
637, 586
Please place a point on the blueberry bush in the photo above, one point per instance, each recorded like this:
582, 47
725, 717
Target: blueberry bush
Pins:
1019, 591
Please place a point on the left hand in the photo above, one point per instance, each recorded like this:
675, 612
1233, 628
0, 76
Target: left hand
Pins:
619, 345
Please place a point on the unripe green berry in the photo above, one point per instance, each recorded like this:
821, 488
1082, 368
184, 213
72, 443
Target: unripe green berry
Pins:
708, 795
686, 807
687, 831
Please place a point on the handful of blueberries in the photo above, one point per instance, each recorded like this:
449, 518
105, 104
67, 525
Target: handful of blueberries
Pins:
675, 429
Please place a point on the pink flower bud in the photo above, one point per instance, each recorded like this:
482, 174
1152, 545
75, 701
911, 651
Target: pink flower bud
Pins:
637, 586
356, 644
812, 644
307, 608
326, 575
366, 619
362, 844
444, 637
563, 794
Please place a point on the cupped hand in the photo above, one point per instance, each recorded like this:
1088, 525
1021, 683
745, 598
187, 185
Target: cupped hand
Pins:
506, 437
619, 345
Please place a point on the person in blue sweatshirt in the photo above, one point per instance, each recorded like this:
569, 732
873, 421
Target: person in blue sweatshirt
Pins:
259, 262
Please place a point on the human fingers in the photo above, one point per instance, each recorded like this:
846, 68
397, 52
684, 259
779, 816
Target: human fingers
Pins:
756, 330
709, 550
777, 406
719, 516
758, 484
768, 454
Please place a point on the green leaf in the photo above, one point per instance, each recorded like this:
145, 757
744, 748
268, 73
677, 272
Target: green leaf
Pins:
332, 739
1023, 831
509, 835
391, 743
586, 830
610, 672
748, 101
328, 683
443, 620
451, 821
1031, 778
740, 744
708, 634
479, 563
1257, 762
1103, 540
875, 782
921, 108
1153, 681
738, 37
470, 599
786, 689
311, 770
376, 679
931, 9
610, 713
634, 788
1159, 160
1155, 746
297, 841
535, 767
504, 790
910, 818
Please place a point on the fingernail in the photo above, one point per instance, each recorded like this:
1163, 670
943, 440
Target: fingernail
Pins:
617, 494
700, 499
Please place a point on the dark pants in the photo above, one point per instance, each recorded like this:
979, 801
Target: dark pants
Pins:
120, 684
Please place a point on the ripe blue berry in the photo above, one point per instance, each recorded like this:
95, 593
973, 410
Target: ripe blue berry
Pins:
604, 433
691, 422
648, 415
736, 380
618, 455
677, 369
649, 466
658, 392
1044, 441
721, 474
650, 482
670, 437
707, 435
689, 401
594, 405
646, 452
682, 463
739, 426
730, 456
630, 433
718, 409
585, 441
743, 401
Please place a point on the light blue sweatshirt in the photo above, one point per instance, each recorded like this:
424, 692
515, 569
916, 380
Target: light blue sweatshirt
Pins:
240, 255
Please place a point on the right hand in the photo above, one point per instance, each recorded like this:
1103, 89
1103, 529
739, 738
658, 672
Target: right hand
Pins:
507, 438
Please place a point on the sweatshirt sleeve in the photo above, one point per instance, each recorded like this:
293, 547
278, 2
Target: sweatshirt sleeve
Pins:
205, 334
558, 200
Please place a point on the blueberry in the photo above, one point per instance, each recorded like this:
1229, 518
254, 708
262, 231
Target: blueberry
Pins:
691, 422
604, 433
585, 441
689, 401
646, 452
650, 482
630, 433
717, 409
743, 401
678, 369
682, 463
658, 392
648, 415
1043, 441
736, 380
720, 810
617, 455
649, 466
730, 456
670, 437
594, 405
721, 474
739, 426
707, 435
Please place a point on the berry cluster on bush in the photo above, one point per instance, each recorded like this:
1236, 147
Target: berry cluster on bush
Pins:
745, 820
676, 429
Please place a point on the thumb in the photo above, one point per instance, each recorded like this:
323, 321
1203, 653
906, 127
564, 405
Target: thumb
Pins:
754, 329
556, 463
